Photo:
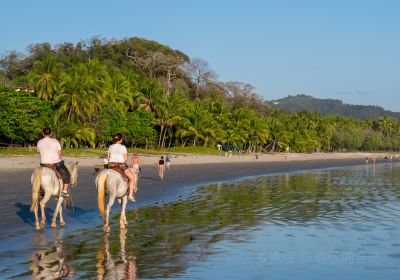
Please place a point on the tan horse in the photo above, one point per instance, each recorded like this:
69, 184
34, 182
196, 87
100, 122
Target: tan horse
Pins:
45, 178
111, 182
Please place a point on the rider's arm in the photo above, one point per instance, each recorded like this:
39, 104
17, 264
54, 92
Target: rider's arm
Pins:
59, 150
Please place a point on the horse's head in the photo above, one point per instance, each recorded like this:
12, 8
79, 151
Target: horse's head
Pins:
73, 169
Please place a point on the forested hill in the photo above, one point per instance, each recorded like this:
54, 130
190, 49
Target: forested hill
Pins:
159, 97
301, 103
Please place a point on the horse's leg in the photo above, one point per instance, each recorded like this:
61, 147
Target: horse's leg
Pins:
62, 222
121, 201
43, 202
122, 219
58, 209
37, 225
110, 203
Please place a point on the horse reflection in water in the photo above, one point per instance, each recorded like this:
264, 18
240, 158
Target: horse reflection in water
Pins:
50, 264
117, 267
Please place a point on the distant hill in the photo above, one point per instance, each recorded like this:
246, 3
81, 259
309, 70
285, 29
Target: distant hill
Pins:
300, 103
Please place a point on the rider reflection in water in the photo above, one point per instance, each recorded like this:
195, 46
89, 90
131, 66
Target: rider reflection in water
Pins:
115, 267
50, 264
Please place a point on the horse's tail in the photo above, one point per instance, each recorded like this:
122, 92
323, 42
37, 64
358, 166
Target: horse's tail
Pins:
37, 176
101, 193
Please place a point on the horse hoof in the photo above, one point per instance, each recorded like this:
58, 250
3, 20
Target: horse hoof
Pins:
62, 224
106, 229
43, 223
38, 227
53, 225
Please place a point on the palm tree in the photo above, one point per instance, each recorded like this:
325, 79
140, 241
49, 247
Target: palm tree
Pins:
118, 89
68, 133
44, 77
199, 125
79, 97
169, 112
148, 95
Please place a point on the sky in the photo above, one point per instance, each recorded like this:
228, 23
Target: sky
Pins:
339, 49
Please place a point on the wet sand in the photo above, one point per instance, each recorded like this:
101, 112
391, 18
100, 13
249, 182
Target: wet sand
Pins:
180, 181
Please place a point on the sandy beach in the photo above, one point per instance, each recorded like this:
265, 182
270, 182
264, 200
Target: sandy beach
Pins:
29, 162
186, 173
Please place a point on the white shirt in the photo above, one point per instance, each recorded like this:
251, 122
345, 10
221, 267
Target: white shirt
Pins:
48, 149
116, 153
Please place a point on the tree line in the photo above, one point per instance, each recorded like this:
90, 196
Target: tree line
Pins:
158, 97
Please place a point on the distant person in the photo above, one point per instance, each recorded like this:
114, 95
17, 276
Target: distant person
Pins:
161, 165
50, 155
366, 160
118, 156
219, 147
136, 163
168, 161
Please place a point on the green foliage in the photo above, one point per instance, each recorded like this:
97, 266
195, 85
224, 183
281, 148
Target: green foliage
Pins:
111, 120
22, 116
140, 128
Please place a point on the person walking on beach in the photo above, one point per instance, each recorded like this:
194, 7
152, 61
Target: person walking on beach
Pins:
51, 155
136, 163
161, 168
168, 161
118, 156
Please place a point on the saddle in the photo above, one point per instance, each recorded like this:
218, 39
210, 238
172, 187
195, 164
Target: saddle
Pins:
118, 167
53, 166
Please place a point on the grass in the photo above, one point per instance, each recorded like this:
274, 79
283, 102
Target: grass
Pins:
101, 152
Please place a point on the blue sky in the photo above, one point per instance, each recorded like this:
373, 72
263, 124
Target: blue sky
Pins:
343, 49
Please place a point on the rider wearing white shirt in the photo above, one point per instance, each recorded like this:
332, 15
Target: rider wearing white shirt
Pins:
50, 153
118, 154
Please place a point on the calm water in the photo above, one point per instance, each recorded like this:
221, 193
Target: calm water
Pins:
328, 224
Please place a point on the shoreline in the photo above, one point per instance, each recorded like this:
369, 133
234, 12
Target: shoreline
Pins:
18, 162
179, 182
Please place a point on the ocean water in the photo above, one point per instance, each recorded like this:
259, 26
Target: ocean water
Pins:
341, 223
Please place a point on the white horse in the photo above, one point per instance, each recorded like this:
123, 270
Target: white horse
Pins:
111, 182
45, 178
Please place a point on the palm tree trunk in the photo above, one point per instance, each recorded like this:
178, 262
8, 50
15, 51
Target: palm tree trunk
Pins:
161, 134
163, 138
170, 141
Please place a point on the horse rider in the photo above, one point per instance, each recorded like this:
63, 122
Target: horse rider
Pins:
51, 155
118, 156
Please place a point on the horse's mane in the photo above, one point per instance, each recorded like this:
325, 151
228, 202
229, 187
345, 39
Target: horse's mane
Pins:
72, 167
